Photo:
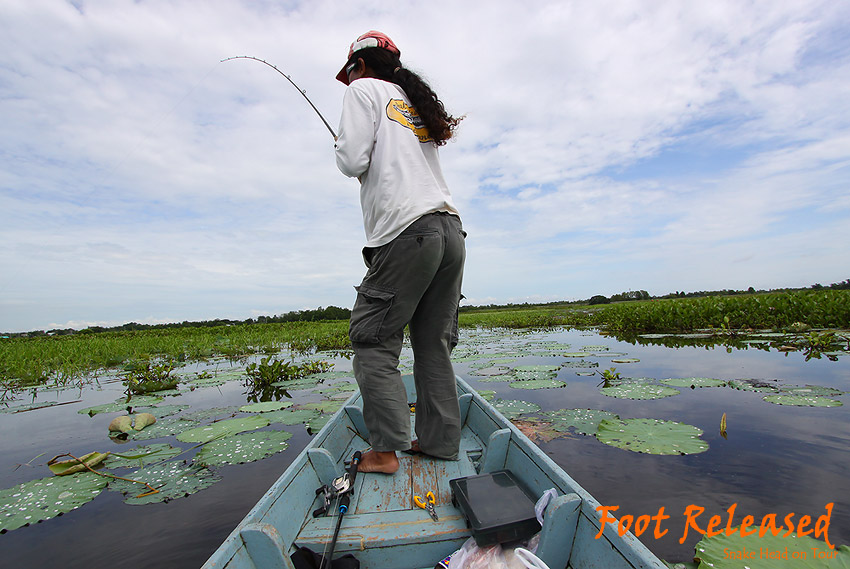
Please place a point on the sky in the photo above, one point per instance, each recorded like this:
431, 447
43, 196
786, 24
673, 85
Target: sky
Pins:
607, 146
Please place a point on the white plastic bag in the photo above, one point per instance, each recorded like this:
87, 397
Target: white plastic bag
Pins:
470, 556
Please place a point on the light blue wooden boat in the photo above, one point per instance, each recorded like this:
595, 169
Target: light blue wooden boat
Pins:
384, 529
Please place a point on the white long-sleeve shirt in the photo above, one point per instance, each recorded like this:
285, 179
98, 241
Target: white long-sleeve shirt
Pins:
381, 141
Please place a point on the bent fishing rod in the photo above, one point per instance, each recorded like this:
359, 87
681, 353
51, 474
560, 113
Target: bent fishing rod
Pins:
288, 78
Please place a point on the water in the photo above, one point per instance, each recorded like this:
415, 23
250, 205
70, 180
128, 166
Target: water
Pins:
777, 459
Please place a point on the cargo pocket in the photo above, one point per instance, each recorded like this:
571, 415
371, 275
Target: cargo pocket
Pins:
369, 312
454, 335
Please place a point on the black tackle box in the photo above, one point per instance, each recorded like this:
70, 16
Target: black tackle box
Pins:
497, 507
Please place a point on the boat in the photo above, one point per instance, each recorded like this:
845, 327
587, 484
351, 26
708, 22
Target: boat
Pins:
383, 528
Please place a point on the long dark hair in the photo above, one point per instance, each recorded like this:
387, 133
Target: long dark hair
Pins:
386, 65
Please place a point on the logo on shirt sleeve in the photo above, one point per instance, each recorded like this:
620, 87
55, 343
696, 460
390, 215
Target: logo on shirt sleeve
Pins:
405, 115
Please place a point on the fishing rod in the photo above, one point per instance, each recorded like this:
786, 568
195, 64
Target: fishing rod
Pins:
288, 78
344, 502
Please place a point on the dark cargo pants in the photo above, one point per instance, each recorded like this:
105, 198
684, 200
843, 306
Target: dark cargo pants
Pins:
415, 279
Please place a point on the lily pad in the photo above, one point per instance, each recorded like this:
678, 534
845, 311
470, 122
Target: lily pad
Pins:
324, 407
222, 429
631, 390
651, 436
582, 421
694, 382
803, 400
163, 410
46, 498
624, 360
820, 390
538, 384
513, 408
202, 415
164, 428
142, 456
536, 368
292, 416
266, 406
173, 480
491, 371
715, 552
72, 465
316, 424
246, 447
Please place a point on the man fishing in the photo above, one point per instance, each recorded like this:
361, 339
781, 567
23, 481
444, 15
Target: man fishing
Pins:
391, 127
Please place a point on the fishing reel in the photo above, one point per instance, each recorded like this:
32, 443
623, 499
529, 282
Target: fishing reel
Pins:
340, 485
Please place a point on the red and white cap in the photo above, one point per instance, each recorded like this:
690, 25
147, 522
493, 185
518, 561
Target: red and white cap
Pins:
371, 38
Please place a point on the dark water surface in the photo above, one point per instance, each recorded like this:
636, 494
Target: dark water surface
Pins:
777, 459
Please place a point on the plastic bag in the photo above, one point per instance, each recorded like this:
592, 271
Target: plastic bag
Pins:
470, 556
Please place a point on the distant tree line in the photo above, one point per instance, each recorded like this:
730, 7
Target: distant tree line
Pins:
337, 313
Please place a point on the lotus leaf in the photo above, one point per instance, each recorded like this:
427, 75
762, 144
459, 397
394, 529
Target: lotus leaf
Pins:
266, 406
694, 382
139, 401
512, 408
580, 363
526, 375
46, 498
624, 360
582, 421
814, 390
161, 411
142, 456
803, 400
292, 416
28, 406
324, 375
576, 354
202, 415
164, 428
105, 408
537, 430
329, 407
492, 371
315, 424
142, 420
246, 447
487, 394
221, 429
538, 368
651, 436
537, 384
713, 552
173, 480
630, 390
595, 348
72, 465
752, 385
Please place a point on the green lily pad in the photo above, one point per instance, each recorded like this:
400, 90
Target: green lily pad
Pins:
802, 400
46, 498
324, 407
161, 411
173, 480
538, 384
246, 447
316, 424
512, 408
719, 551
630, 390
165, 427
292, 416
624, 360
202, 415
582, 421
577, 354
694, 382
580, 363
222, 429
651, 436
142, 456
540, 368
487, 394
752, 385
266, 406
819, 390
491, 371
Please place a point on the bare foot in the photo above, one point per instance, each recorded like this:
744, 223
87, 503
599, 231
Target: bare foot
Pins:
378, 461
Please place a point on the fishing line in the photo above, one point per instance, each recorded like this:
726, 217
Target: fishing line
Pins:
288, 78
335, 513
